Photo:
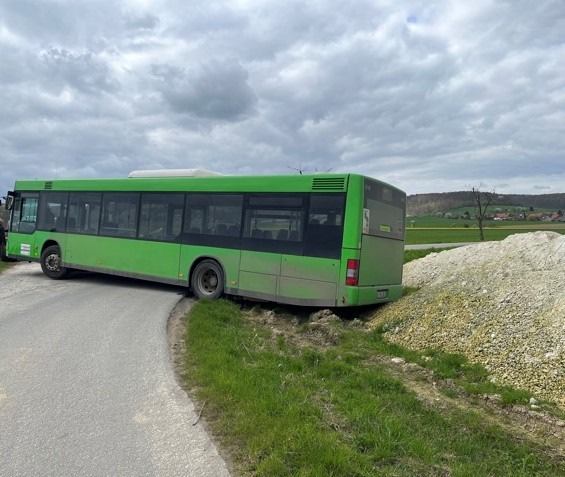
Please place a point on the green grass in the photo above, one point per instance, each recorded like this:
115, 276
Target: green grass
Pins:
456, 234
283, 410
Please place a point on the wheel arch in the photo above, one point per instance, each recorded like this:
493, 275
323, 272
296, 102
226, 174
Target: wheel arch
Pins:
50, 242
200, 259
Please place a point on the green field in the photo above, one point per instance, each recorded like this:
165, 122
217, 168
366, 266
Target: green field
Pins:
444, 233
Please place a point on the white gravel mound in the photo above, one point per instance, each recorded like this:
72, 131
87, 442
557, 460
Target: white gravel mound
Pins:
499, 303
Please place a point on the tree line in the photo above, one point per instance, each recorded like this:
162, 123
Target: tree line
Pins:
420, 204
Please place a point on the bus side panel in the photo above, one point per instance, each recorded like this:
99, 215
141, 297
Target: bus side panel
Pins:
134, 257
353, 222
21, 246
308, 280
259, 273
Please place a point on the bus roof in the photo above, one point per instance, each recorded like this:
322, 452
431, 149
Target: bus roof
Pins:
326, 182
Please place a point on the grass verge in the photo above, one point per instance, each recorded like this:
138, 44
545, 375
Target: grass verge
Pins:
283, 409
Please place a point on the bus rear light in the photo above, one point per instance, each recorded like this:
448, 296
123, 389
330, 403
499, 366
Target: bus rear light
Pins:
352, 274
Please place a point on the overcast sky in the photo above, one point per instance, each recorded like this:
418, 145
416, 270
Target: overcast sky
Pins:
430, 95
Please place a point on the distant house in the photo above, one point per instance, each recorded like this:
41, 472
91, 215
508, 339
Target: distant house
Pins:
502, 216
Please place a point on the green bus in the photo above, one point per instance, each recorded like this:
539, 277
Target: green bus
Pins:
317, 240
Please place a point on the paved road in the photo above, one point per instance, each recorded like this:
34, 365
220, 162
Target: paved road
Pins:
86, 385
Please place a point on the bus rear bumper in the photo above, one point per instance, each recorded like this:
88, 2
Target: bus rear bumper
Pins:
359, 296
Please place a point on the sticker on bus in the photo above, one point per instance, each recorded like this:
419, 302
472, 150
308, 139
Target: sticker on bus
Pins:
25, 249
366, 220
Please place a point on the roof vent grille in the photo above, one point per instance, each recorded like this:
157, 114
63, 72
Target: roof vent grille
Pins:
329, 183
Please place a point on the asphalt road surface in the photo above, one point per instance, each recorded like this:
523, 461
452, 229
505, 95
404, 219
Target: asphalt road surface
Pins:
86, 382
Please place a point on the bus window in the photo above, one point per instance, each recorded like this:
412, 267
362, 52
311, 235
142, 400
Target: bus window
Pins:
274, 223
161, 216
213, 214
52, 211
24, 213
324, 231
119, 214
384, 211
213, 219
83, 216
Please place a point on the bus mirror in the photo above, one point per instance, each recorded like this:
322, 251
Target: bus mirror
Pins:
9, 201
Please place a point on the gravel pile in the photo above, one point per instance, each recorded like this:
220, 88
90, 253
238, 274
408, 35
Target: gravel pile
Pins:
499, 303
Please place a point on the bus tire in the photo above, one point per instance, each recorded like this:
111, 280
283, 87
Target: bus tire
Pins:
51, 263
207, 280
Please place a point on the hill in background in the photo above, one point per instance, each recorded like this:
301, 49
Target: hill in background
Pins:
421, 204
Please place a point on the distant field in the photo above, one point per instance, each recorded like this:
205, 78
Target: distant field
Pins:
433, 221
447, 234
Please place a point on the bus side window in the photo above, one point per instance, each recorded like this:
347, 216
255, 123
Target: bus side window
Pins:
161, 216
119, 214
71, 224
274, 223
324, 232
52, 214
216, 217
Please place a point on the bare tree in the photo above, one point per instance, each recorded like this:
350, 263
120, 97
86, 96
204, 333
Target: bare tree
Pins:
301, 170
482, 199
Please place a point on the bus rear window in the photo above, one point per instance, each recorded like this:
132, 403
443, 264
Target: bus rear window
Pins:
384, 211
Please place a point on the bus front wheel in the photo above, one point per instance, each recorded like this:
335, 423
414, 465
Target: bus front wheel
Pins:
207, 280
51, 263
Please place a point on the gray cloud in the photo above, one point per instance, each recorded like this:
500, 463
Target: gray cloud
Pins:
81, 71
216, 90
140, 21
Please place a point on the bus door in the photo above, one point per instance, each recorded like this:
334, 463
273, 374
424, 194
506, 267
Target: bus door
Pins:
23, 220
273, 226
291, 248
311, 278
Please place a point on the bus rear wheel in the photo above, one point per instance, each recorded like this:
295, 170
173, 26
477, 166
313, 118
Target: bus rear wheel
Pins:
51, 263
207, 280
